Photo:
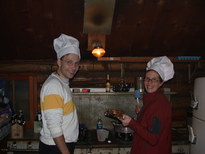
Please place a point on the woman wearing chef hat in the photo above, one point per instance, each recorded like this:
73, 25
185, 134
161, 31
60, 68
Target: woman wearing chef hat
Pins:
59, 115
153, 124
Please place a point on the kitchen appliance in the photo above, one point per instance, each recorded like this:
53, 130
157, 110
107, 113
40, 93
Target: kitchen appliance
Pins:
123, 132
196, 131
139, 84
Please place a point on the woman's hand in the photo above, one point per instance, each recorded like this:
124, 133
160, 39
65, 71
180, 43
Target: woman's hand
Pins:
125, 119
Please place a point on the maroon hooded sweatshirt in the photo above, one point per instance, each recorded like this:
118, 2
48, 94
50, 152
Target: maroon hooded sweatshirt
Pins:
153, 126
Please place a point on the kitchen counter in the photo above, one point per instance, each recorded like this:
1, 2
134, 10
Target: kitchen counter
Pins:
179, 136
30, 141
89, 141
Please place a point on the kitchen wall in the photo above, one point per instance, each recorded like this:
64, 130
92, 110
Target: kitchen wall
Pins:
93, 74
92, 106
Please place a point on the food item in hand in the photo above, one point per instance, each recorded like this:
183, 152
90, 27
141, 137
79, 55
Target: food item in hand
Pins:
114, 113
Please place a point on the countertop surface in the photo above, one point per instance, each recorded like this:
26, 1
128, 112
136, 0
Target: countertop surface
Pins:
179, 136
30, 140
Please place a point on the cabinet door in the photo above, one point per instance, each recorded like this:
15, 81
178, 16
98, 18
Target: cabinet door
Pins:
23, 95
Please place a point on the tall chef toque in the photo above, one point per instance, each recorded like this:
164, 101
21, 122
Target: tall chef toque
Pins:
163, 66
65, 44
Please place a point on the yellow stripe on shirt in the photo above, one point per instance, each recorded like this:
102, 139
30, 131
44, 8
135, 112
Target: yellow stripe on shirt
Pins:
52, 102
69, 107
56, 102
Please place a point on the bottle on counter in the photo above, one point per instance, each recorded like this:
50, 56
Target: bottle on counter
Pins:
99, 124
20, 118
107, 85
38, 116
18, 122
38, 123
14, 119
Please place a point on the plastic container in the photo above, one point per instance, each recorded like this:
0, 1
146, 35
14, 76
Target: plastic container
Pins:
102, 134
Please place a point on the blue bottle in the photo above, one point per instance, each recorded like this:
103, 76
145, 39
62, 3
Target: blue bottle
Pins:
99, 124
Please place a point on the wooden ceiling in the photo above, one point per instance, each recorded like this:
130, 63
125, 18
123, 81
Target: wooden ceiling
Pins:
139, 28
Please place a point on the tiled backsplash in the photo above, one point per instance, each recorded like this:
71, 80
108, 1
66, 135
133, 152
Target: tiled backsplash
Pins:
91, 106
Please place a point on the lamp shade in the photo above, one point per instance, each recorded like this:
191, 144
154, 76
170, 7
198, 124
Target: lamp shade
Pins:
98, 52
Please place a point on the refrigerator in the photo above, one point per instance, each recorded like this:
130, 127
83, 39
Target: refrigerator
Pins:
197, 128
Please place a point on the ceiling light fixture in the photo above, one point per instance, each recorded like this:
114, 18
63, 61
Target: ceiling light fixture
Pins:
98, 50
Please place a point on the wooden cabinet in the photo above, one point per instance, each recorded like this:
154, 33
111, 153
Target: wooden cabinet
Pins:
23, 94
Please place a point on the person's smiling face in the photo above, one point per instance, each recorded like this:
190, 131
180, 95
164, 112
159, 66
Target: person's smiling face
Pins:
68, 65
152, 81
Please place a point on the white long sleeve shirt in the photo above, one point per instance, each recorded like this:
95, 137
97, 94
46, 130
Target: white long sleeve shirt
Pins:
59, 115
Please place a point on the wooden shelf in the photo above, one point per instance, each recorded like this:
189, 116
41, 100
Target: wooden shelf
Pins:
104, 93
114, 93
141, 59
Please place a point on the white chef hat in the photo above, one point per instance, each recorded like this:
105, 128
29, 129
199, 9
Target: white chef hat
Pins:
65, 44
163, 66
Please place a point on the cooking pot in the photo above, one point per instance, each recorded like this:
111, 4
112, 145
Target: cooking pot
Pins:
123, 132
119, 128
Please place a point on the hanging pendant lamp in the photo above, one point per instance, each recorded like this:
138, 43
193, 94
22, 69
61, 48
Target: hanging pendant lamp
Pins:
98, 51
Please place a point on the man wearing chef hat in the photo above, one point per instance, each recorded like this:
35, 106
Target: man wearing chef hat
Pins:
59, 117
153, 124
